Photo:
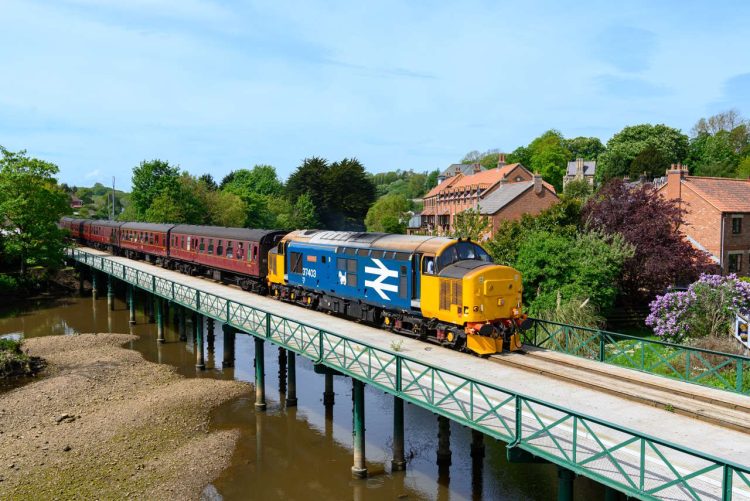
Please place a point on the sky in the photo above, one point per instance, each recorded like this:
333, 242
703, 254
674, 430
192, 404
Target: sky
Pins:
97, 86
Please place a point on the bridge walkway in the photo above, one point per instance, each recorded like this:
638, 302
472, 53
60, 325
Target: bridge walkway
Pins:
642, 450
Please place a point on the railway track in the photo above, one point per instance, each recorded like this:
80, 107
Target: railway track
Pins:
719, 407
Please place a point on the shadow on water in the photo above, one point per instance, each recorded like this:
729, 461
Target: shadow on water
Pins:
303, 452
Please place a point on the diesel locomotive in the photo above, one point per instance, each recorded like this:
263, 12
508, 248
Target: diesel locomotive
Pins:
434, 288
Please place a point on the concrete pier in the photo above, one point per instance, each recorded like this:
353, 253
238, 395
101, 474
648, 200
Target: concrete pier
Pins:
229, 333
291, 370
93, 284
182, 323
477, 463
260, 376
110, 292
359, 469
398, 463
149, 308
200, 359
329, 396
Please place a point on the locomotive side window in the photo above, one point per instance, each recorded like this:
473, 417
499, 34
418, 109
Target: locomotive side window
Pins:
351, 272
402, 283
296, 261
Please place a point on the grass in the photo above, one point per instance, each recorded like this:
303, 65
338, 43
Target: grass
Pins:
13, 361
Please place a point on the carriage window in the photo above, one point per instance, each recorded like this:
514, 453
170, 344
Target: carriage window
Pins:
296, 262
219, 249
230, 251
202, 246
240, 250
210, 245
255, 252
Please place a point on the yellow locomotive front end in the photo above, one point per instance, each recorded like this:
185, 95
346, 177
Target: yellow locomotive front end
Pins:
479, 299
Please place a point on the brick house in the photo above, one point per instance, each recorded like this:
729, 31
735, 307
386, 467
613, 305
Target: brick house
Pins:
718, 215
505, 192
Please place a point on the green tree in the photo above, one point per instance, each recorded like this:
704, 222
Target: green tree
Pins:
151, 179
650, 162
387, 214
579, 189
209, 181
226, 209
584, 266
349, 193
625, 146
588, 148
432, 180
310, 178
521, 155
261, 180
470, 224
31, 205
549, 157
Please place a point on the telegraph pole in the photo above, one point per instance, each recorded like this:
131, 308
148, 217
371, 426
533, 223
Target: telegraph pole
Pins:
112, 214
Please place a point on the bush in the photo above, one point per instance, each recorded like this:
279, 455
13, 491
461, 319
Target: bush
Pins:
575, 311
707, 308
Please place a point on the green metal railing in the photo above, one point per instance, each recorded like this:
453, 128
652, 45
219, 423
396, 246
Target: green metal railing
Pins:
632, 462
713, 369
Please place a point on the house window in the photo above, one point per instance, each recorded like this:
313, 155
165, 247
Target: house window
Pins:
735, 262
736, 225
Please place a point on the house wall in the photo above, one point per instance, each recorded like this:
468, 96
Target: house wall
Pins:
703, 220
527, 203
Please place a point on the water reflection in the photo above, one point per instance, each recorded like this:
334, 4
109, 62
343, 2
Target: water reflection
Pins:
302, 452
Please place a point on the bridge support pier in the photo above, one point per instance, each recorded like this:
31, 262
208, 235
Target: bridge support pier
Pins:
159, 320
93, 284
110, 293
565, 479
611, 494
398, 463
229, 335
81, 281
477, 462
444, 447
131, 304
329, 396
260, 376
182, 323
210, 335
477, 445
359, 470
282, 370
148, 307
291, 371
200, 362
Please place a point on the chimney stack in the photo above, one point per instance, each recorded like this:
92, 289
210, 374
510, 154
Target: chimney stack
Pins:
538, 187
579, 167
675, 175
500, 160
477, 168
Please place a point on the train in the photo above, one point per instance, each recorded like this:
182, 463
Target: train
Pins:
444, 290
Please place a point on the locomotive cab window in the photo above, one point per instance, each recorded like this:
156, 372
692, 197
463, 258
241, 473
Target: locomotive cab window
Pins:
296, 262
428, 265
462, 251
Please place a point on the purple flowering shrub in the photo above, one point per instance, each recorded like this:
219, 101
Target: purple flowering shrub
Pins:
707, 308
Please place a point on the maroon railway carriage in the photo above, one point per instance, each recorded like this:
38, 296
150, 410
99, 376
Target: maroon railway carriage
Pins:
145, 241
74, 226
237, 255
102, 234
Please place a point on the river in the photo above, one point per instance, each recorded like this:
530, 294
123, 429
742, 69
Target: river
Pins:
301, 453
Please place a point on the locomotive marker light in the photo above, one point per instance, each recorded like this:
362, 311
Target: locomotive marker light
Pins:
383, 273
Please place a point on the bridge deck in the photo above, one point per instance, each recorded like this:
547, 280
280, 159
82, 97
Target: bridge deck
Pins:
724, 443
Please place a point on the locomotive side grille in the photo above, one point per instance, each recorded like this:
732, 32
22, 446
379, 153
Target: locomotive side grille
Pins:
451, 292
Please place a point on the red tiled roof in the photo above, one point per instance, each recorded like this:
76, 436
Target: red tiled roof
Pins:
727, 195
484, 179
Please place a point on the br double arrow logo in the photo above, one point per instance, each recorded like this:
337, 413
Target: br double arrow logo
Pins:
382, 273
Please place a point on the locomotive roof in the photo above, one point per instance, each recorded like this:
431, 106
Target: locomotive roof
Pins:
147, 226
383, 241
255, 235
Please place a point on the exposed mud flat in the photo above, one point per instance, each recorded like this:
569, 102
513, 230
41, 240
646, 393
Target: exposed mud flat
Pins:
104, 423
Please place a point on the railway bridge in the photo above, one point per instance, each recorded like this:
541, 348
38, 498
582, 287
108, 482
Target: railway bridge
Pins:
640, 434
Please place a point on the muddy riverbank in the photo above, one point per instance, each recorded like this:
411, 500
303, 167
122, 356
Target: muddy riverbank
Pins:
101, 422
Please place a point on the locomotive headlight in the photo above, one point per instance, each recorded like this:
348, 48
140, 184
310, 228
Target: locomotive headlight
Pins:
501, 302
476, 308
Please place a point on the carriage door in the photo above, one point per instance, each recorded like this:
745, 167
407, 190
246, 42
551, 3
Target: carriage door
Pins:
416, 275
